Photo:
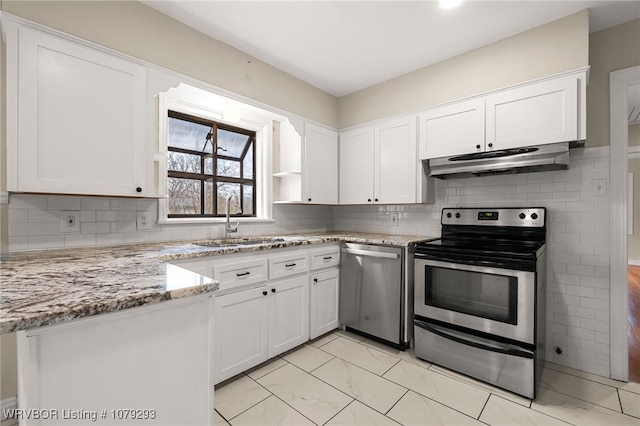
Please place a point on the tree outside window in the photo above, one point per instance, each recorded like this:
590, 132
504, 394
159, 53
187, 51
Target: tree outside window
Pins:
207, 163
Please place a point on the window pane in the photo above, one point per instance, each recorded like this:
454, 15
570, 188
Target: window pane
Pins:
247, 164
184, 196
183, 162
224, 191
228, 168
208, 165
209, 193
232, 142
247, 199
187, 135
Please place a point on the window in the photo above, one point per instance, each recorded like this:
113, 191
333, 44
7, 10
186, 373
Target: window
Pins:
209, 163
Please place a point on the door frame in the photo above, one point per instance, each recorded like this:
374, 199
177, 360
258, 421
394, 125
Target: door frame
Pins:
619, 82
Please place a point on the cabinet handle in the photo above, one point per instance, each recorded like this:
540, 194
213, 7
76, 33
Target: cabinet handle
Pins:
138, 189
273, 290
327, 258
243, 274
477, 146
291, 265
264, 293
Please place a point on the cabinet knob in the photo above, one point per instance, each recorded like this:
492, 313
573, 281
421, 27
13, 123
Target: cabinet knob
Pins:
477, 146
315, 280
138, 189
375, 199
264, 293
308, 199
273, 290
369, 199
490, 145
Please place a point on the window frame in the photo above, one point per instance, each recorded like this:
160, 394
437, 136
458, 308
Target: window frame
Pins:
207, 103
214, 178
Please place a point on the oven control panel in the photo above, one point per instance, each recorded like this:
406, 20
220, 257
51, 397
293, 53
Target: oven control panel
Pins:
506, 216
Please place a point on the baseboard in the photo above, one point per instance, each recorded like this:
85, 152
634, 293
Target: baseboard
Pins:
6, 405
634, 262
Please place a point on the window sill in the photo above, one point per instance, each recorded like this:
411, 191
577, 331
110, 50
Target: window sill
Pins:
209, 220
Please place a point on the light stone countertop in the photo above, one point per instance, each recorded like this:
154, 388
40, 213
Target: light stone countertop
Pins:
41, 288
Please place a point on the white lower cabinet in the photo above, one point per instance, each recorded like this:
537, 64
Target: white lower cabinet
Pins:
324, 292
284, 308
288, 314
239, 332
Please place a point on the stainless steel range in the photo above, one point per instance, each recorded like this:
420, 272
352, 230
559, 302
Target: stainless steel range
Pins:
479, 296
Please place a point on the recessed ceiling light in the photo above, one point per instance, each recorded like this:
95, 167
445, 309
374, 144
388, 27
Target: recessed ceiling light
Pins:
448, 4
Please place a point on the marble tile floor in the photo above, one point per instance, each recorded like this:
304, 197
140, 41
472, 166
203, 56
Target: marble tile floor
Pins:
344, 379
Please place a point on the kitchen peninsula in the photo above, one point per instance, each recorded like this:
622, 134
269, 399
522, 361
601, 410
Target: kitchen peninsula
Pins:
120, 331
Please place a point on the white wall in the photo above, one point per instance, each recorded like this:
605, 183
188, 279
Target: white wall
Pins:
577, 244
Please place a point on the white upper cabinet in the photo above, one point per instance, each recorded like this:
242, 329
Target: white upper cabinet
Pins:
538, 114
379, 163
548, 111
320, 174
452, 129
356, 166
395, 161
76, 118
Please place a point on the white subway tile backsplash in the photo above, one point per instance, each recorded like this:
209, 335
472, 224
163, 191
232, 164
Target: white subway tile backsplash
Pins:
578, 223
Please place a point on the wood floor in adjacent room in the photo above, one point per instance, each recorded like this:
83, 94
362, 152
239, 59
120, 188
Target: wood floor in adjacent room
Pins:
634, 323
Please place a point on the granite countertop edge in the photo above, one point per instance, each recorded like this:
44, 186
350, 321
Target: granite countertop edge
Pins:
41, 288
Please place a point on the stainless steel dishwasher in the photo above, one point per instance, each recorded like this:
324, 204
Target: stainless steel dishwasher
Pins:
372, 292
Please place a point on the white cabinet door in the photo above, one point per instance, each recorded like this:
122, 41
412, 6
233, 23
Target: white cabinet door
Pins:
288, 314
536, 114
396, 161
320, 174
240, 332
356, 166
80, 119
452, 129
324, 298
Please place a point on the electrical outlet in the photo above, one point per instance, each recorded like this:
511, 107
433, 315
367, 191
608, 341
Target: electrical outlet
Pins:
70, 221
394, 219
560, 351
599, 187
143, 222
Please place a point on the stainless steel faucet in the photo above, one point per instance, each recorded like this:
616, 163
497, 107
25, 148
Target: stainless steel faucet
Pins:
231, 229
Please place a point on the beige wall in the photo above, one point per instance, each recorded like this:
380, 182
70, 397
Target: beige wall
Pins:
140, 31
549, 49
612, 49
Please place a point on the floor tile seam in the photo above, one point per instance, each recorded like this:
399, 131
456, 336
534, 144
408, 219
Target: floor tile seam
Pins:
249, 408
369, 371
438, 402
532, 409
484, 406
293, 408
407, 390
356, 399
345, 360
272, 359
471, 384
585, 400
220, 414
324, 363
578, 409
591, 380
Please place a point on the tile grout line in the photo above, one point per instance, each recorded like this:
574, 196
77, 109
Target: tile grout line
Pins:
396, 403
484, 406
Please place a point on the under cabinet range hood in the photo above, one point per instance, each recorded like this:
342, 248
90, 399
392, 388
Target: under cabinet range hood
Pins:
539, 158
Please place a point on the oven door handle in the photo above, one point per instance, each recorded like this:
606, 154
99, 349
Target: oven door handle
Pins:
477, 342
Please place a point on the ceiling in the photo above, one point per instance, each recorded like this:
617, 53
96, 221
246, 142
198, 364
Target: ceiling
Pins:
344, 46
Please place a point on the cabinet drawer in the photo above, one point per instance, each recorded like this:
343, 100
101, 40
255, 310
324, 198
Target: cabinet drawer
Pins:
325, 257
288, 264
234, 276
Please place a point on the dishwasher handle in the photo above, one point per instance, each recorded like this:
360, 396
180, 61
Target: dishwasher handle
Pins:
368, 253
